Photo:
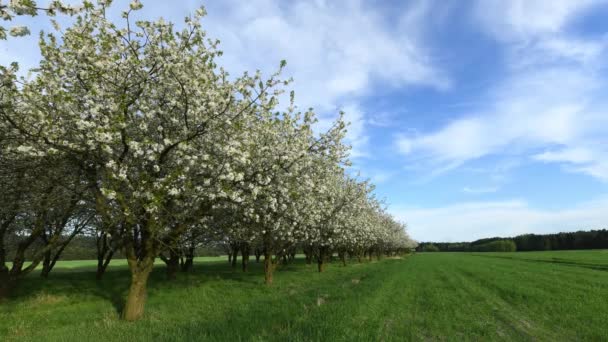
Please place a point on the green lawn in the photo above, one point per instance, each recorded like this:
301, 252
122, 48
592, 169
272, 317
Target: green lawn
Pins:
550, 296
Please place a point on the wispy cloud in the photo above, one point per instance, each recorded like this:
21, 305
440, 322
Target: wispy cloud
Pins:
524, 20
553, 96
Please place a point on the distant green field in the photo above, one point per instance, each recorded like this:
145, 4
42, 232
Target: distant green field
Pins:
546, 296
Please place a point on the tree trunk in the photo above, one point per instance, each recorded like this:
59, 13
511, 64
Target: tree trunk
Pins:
172, 264
258, 254
136, 298
49, 259
343, 258
5, 283
235, 254
4, 279
189, 263
46, 265
18, 262
102, 264
268, 268
105, 252
230, 257
245, 256
321, 259
307, 255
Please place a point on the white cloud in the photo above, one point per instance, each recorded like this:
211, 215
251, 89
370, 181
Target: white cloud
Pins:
476, 191
553, 96
536, 31
592, 161
528, 19
475, 220
333, 49
571, 155
525, 112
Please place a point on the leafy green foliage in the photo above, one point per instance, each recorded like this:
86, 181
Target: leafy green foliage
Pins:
496, 246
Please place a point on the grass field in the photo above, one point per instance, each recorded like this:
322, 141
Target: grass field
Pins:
550, 296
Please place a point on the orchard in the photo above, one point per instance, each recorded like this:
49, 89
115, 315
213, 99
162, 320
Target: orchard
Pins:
129, 132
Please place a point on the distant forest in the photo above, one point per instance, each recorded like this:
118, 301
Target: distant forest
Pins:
594, 239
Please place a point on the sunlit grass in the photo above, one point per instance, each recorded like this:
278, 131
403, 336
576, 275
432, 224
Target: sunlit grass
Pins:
550, 296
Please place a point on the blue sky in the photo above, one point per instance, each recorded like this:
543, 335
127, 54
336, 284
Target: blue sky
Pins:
474, 118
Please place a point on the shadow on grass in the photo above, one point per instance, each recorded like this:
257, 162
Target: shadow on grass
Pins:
115, 283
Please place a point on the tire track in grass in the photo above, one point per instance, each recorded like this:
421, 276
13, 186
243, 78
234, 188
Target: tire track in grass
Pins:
539, 284
559, 261
516, 321
443, 310
466, 315
395, 295
394, 308
551, 276
366, 294
569, 317
430, 304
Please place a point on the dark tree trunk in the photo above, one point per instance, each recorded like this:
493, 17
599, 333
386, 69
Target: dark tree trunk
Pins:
188, 265
18, 261
321, 259
235, 254
105, 252
172, 264
4, 280
103, 260
5, 284
17, 271
308, 255
245, 255
46, 265
342, 256
258, 254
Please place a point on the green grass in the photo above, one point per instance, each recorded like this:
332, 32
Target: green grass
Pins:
547, 296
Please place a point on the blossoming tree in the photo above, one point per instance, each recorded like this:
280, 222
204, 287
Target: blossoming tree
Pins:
162, 149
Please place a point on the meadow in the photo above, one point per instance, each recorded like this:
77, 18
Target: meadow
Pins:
546, 296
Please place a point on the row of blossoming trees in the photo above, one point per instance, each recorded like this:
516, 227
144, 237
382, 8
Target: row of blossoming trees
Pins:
132, 134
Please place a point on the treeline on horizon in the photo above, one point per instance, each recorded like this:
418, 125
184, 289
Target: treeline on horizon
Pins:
592, 239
